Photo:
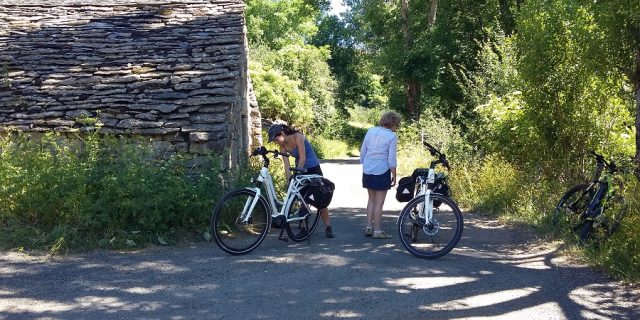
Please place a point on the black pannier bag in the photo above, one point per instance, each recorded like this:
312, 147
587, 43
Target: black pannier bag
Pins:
319, 193
440, 186
406, 189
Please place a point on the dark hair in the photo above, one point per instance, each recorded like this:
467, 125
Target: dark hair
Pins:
289, 130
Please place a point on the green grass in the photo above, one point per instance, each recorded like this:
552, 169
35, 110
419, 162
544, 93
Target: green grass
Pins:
57, 195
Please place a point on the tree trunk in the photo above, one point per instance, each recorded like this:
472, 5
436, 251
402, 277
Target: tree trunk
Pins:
412, 90
411, 85
433, 8
405, 24
637, 92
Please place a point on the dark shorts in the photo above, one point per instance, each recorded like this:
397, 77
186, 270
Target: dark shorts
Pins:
314, 170
377, 181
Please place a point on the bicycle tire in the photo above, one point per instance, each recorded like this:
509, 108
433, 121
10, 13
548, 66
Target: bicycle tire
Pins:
294, 228
230, 234
606, 223
619, 215
430, 240
571, 207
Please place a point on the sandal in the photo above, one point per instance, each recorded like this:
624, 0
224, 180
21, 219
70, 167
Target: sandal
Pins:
328, 232
381, 235
368, 232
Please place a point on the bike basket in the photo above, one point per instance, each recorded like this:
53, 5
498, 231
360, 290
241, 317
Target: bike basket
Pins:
406, 189
319, 193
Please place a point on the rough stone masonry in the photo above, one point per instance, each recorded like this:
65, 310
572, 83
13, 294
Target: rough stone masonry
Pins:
175, 71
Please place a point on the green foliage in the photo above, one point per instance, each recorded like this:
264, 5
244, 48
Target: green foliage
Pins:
59, 195
570, 105
280, 97
621, 253
330, 148
357, 83
438, 132
282, 22
291, 78
306, 66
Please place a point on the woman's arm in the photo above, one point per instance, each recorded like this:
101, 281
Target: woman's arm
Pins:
302, 152
393, 161
363, 148
285, 161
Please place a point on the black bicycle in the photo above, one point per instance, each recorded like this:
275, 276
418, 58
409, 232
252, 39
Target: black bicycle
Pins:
592, 210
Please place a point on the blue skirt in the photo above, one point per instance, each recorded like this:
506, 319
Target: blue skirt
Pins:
377, 181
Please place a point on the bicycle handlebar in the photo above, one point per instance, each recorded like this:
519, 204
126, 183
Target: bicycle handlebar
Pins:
262, 151
442, 158
611, 166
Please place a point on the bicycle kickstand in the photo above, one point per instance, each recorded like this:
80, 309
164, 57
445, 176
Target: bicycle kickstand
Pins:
285, 239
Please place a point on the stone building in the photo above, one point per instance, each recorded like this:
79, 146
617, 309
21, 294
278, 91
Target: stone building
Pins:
175, 71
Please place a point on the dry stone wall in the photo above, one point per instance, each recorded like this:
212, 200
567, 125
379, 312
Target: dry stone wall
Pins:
175, 71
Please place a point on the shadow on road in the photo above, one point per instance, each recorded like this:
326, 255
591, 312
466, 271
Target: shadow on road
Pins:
495, 272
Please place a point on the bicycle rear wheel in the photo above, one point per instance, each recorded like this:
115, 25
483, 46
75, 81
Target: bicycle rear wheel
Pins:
302, 229
569, 212
230, 231
430, 239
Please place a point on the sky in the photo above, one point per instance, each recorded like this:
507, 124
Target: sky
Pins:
337, 7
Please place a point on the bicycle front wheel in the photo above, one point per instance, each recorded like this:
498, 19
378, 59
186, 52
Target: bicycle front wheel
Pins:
569, 212
301, 230
433, 238
236, 228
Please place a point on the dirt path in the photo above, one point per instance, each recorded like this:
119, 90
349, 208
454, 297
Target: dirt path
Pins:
496, 272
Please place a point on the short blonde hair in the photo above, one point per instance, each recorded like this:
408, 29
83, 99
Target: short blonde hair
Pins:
389, 119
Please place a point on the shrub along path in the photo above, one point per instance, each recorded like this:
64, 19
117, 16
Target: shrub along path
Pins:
497, 271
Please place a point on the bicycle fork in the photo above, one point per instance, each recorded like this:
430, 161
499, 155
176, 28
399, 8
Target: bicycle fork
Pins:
249, 205
594, 211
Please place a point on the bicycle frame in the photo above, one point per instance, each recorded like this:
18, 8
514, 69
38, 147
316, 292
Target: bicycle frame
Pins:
424, 183
426, 213
276, 206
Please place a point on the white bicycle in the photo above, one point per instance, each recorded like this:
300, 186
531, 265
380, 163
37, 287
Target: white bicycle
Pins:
429, 229
241, 219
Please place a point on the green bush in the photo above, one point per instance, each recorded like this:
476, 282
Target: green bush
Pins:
620, 254
58, 195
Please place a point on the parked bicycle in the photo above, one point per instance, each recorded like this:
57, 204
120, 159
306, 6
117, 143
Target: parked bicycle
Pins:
592, 210
241, 219
431, 224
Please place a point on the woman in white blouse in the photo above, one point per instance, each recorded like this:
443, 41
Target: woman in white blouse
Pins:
378, 158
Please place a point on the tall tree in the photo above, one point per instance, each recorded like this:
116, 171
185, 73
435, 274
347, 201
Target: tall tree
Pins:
620, 48
412, 86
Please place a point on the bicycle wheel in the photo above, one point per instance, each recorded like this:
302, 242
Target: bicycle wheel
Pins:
430, 239
302, 229
617, 206
606, 223
571, 207
230, 232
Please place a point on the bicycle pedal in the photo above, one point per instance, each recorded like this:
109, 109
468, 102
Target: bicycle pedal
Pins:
285, 239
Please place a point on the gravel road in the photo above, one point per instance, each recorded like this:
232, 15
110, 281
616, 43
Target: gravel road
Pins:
497, 272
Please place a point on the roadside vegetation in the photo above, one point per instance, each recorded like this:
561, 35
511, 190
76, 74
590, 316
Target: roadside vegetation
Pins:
516, 93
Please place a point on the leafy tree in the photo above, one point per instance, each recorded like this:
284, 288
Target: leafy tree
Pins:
280, 97
572, 103
357, 83
291, 78
617, 50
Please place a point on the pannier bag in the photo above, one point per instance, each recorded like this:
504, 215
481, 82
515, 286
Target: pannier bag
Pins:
319, 193
406, 189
